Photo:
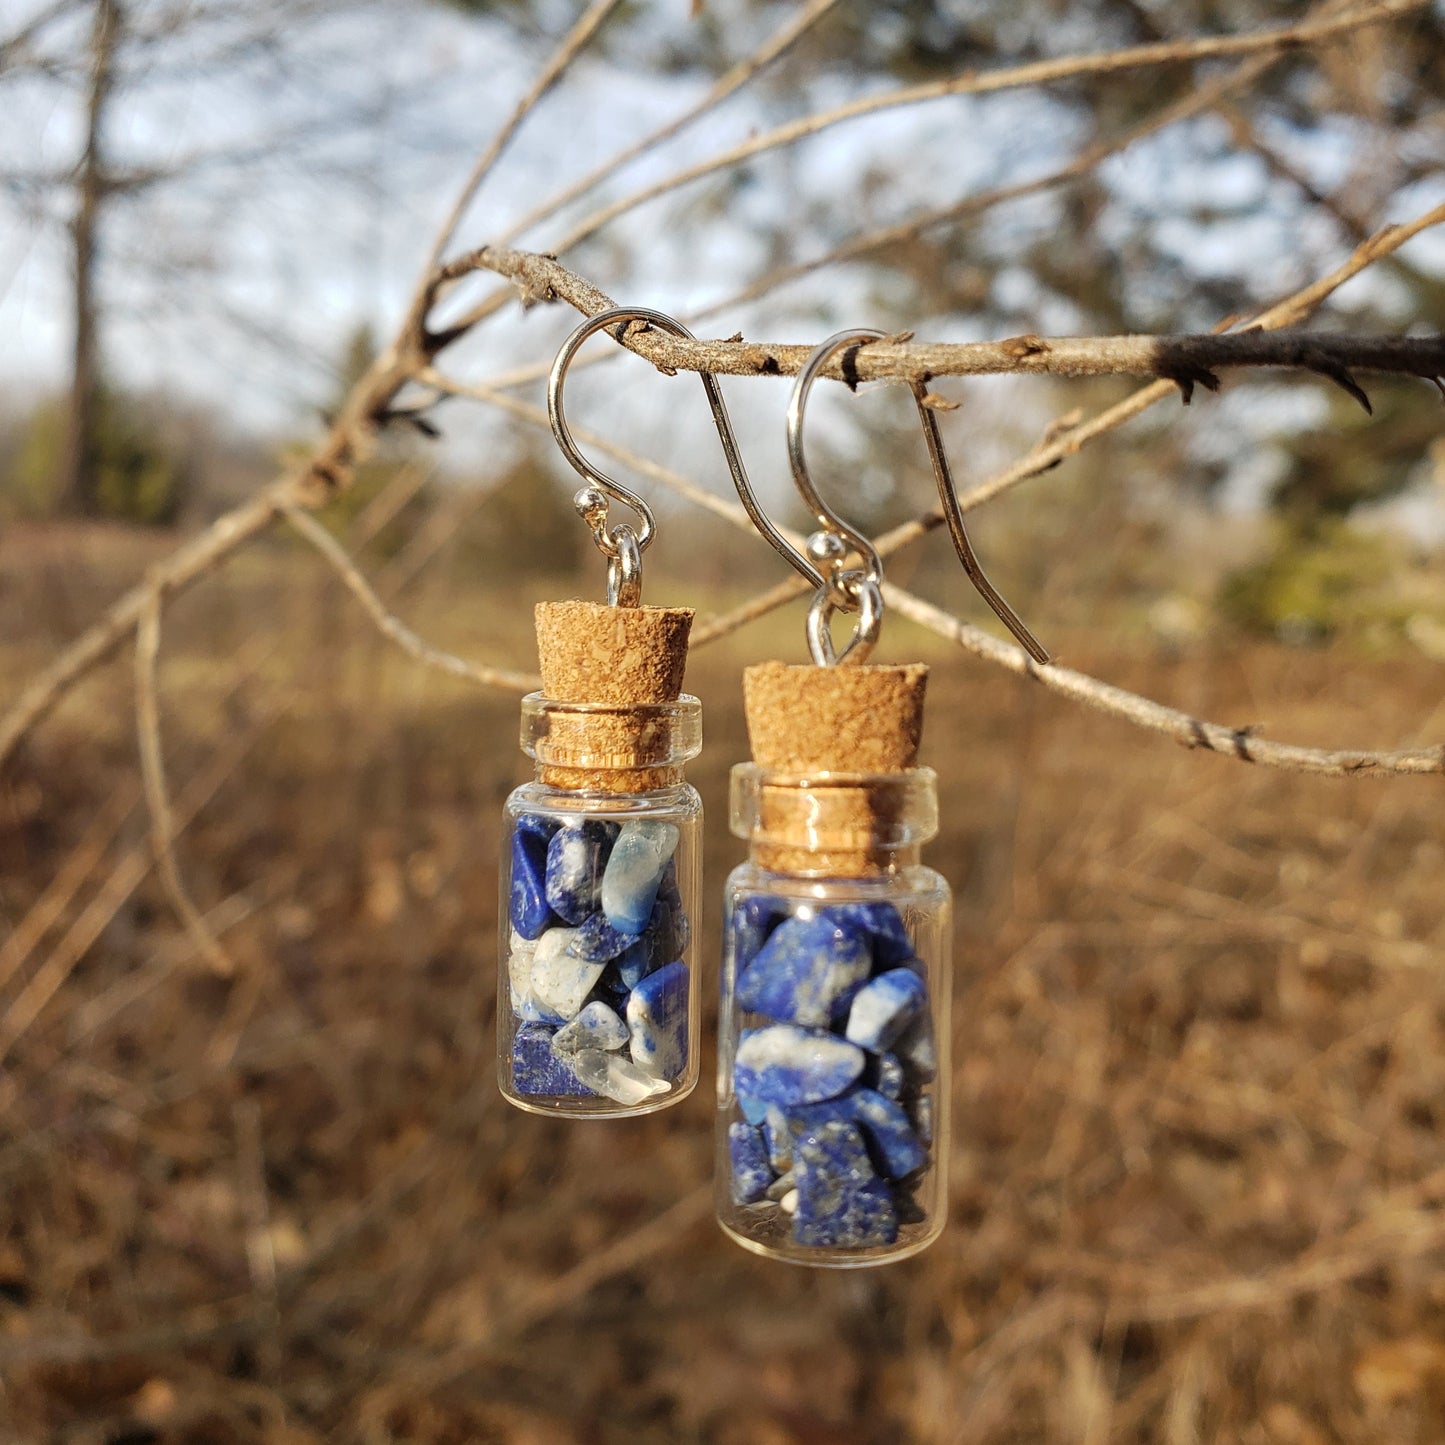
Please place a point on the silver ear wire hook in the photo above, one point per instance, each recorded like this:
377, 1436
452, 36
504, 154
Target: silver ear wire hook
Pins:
833, 526
953, 516
842, 588
830, 523
622, 546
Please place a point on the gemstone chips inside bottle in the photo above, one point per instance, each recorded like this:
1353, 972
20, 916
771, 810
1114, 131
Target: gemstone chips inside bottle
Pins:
597, 1013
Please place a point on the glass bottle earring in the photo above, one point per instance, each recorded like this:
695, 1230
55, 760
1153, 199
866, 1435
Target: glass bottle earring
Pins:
597, 1006
833, 1092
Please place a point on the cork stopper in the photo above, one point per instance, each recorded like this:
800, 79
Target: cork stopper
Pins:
805, 723
622, 667
835, 719
626, 656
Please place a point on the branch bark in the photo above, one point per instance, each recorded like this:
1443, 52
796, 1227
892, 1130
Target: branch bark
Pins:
157, 796
390, 625
1185, 360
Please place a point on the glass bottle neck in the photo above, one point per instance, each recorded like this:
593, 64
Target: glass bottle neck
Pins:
834, 825
610, 748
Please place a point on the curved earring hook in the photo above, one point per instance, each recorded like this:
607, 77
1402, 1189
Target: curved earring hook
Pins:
622, 546
953, 516
942, 475
849, 589
828, 520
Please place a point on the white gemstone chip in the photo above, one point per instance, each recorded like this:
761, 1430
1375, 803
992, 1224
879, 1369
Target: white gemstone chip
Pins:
615, 1077
559, 981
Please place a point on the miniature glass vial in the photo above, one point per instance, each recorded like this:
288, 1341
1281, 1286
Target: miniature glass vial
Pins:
832, 1062
597, 1016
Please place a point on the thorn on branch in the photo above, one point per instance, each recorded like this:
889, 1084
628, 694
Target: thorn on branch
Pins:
331, 478
1185, 373
735, 337
1342, 378
935, 402
433, 343
535, 293
412, 418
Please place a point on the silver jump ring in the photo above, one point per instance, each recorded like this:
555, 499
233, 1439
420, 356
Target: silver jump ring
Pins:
624, 569
869, 598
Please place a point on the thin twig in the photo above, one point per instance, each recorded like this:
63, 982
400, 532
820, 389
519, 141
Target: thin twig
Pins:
392, 626
727, 84
158, 802
1236, 742
866, 243
572, 45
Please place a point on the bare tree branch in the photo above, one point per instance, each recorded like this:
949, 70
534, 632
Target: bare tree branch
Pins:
1197, 101
1186, 360
737, 77
391, 626
158, 802
865, 243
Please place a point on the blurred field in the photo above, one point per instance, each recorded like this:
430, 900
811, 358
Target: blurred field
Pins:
1198, 1179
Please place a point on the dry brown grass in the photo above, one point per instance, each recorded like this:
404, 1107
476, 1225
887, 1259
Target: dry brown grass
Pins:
1198, 1178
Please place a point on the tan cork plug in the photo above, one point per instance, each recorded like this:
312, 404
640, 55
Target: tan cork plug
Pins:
614, 657
625, 656
804, 719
